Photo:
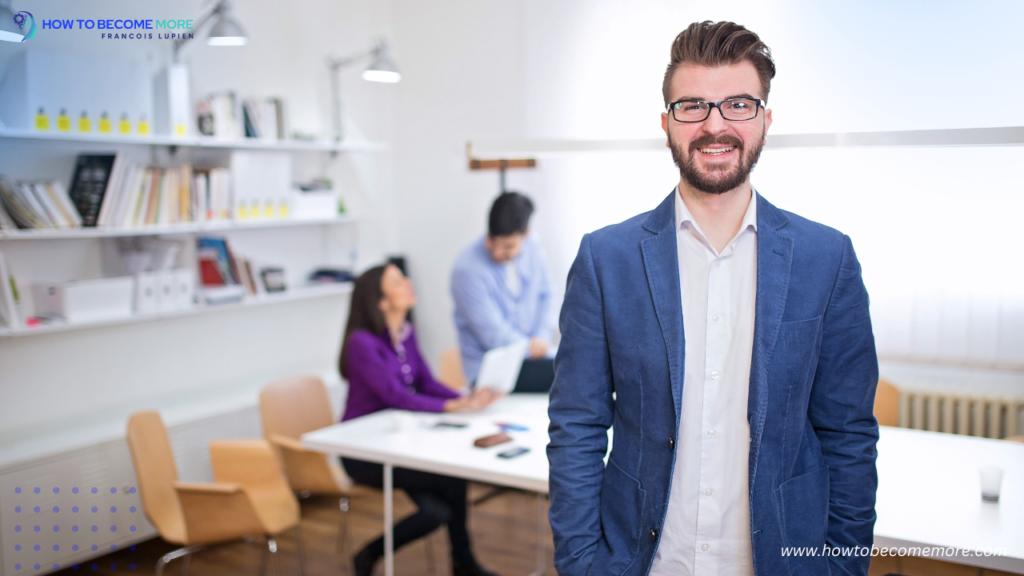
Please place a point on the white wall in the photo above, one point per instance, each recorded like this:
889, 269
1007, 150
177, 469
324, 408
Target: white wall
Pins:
74, 378
934, 228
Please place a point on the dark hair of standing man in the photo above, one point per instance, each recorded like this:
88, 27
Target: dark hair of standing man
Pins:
510, 214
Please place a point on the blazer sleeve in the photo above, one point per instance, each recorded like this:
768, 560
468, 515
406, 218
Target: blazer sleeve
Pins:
581, 410
841, 412
368, 369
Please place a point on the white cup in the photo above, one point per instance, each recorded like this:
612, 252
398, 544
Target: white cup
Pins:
991, 478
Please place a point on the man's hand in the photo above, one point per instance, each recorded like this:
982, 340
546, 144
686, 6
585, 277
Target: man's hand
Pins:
475, 400
538, 348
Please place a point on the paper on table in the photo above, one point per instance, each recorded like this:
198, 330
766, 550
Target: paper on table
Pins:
500, 367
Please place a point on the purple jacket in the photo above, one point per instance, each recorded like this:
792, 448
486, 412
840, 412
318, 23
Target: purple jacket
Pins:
382, 375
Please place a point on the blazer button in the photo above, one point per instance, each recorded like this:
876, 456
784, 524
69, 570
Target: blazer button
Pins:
654, 534
671, 442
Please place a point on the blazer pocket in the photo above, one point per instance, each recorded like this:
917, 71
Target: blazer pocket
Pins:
804, 508
622, 505
800, 329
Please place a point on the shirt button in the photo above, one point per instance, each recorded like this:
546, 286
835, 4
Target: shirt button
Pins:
408, 379
654, 534
708, 491
406, 369
718, 263
714, 375
715, 317
671, 442
711, 433
704, 547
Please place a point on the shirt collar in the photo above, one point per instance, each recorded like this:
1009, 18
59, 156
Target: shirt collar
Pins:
683, 213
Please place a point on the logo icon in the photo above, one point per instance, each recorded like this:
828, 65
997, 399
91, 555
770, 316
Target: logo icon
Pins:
24, 18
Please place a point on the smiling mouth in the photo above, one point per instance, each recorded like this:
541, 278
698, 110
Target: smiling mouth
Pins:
716, 151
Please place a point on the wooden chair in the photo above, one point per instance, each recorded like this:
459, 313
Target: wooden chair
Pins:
249, 495
887, 404
451, 374
290, 407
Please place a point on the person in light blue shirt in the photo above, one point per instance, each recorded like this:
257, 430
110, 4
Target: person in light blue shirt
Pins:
500, 287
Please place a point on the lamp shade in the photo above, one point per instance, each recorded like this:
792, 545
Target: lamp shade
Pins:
226, 32
382, 68
9, 30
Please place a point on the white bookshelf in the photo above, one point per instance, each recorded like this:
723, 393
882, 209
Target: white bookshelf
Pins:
197, 141
290, 295
172, 229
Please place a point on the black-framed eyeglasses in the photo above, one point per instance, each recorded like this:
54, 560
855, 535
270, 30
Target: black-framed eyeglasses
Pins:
733, 109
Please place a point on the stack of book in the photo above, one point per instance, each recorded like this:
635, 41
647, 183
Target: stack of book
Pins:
43, 205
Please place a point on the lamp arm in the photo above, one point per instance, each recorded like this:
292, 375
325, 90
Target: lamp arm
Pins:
336, 63
179, 43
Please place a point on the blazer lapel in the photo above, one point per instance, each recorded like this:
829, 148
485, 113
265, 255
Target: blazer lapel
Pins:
774, 260
661, 262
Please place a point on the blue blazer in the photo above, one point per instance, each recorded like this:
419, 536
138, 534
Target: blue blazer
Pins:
812, 384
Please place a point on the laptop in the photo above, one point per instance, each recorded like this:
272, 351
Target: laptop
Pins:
500, 367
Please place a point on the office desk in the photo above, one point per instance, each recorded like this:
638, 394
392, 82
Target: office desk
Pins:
448, 451
929, 490
929, 494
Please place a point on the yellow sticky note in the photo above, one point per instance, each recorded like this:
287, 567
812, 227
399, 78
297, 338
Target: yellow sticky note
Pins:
42, 121
104, 124
283, 210
84, 124
268, 210
179, 129
124, 126
143, 126
63, 122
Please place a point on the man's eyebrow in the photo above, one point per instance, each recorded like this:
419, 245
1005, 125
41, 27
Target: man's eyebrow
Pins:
691, 98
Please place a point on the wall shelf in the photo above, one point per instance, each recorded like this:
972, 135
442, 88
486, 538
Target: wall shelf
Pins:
170, 229
291, 295
198, 141
1001, 136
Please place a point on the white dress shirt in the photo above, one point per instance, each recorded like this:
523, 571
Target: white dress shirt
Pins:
707, 526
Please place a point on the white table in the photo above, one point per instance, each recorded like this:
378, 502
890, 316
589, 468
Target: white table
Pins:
449, 451
929, 492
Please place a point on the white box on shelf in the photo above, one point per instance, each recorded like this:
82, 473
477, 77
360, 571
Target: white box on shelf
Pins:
171, 108
166, 298
314, 205
146, 293
85, 300
184, 288
261, 181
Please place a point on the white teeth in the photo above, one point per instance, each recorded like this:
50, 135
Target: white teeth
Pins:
715, 151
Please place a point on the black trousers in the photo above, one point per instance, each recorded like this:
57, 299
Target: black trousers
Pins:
440, 499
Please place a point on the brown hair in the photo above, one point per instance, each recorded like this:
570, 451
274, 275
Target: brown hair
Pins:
364, 313
719, 44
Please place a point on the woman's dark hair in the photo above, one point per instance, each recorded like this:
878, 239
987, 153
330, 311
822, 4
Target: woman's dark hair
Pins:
364, 313
510, 214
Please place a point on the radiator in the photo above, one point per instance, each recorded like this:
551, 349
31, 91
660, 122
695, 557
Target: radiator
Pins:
969, 414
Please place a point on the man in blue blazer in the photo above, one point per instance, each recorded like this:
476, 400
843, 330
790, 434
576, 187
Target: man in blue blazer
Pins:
728, 345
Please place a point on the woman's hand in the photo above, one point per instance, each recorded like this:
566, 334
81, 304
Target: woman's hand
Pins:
475, 400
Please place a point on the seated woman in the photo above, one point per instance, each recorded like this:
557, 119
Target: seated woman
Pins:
384, 369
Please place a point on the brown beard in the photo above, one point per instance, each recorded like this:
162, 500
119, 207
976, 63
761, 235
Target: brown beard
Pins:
718, 181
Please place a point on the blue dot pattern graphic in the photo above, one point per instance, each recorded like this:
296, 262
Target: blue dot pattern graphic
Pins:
75, 528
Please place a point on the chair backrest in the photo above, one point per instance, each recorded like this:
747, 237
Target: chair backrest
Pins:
451, 374
294, 405
155, 470
887, 404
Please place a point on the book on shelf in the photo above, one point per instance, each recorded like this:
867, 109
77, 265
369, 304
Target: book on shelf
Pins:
42, 205
9, 301
220, 116
90, 184
264, 118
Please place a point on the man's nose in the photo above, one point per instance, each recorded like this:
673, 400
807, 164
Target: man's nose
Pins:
715, 121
